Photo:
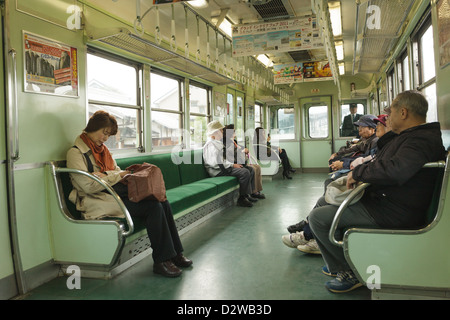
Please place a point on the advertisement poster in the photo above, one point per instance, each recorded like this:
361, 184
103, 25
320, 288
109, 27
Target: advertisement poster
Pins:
50, 67
278, 36
317, 70
288, 73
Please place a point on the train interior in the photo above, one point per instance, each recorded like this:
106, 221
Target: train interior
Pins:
164, 71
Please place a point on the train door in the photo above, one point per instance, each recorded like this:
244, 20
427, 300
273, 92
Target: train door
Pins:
235, 106
316, 137
8, 286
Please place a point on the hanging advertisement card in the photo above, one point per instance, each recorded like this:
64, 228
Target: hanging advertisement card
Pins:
278, 36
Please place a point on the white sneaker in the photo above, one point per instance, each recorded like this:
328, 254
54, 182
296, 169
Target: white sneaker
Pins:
310, 247
293, 240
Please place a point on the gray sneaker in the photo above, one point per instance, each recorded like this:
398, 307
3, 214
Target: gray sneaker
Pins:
310, 247
293, 240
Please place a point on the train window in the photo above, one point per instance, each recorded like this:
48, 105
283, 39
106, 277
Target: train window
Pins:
318, 121
113, 86
258, 116
403, 72
199, 100
165, 99
282, 119
425, 72
349, 114
390, 85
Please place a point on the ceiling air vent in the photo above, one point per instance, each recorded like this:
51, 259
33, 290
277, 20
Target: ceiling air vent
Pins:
271, 10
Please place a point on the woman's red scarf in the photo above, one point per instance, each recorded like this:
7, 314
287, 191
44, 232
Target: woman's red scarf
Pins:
101, 154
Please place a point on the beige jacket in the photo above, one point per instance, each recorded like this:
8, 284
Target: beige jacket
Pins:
87, 194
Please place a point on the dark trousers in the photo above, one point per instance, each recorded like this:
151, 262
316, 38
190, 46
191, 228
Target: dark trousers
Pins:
162, 231
246, 177
285, 160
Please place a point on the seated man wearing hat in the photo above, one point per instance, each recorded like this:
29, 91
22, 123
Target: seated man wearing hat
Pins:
216, 165
366, 127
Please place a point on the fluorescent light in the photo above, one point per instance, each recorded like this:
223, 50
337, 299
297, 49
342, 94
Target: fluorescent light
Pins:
265, 60
225, 26
339, 50
341, 68
335, 17
199, 3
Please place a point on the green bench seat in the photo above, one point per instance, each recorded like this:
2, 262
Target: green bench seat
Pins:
187, 183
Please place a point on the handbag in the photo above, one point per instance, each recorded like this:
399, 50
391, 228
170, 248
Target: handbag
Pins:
145, 182
337, 191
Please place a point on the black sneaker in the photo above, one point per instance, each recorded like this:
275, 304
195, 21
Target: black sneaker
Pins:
252, 199
258, 195
243, 202
297, 227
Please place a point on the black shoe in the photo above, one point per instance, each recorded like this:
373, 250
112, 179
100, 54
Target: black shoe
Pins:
286, 175
292, 170
297, 227
258, 195
251, 198
243, 202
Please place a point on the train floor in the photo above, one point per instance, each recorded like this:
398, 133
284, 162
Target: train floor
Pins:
238, 255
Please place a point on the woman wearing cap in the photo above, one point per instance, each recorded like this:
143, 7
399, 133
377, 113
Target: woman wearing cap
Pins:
216, 165
366, 128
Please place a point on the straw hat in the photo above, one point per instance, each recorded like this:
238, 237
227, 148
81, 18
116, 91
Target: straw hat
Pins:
213, 126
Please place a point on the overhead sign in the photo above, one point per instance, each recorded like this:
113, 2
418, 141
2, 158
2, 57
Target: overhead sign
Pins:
301, 72
279, 36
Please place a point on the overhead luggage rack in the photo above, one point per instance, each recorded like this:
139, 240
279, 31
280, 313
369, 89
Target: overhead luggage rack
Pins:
130, 42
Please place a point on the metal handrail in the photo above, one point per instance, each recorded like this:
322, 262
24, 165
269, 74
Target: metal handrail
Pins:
125, 233
352, 195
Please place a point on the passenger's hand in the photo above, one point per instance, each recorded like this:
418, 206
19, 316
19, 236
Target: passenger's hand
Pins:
124, 173
99, 174
350, 181
332, 156
336, 165
237, 165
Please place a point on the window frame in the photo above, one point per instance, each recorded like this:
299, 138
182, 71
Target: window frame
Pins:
206, 115
419, 83
139, 101
278, 135
180, 110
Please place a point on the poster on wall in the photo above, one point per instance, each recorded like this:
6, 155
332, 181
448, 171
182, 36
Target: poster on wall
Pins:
288, 73
50, 67
443, 11
278, 36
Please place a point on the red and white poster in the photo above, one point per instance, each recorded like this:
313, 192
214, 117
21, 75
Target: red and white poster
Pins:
50, 67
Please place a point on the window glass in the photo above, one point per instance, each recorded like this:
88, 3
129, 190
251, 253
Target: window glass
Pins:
318, 121
239, 126
430, 95
258, 116
111, 81
113, 87
165, 92
282, 122
165, 99
166, 129
347, 128
427, 55
199, 101
405, 75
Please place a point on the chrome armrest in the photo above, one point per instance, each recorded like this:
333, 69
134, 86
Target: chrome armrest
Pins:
55, 170
341, 209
